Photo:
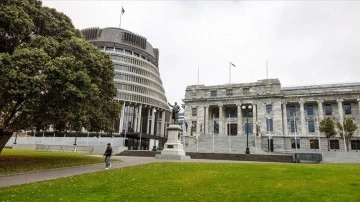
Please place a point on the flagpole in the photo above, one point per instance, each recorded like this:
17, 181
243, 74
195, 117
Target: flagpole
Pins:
229, 72
121, 13
267, 70
198, 74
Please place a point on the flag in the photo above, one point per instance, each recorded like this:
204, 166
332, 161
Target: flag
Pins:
232, 64
122, 11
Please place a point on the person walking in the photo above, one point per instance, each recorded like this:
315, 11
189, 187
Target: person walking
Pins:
107, 155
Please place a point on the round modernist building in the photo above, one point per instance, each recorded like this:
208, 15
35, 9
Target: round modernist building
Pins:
145, 110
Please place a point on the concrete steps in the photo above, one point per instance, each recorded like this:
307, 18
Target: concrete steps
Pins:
283, 158
222, 144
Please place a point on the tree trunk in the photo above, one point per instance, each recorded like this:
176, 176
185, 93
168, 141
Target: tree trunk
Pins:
4, 138
328, 143
347, 142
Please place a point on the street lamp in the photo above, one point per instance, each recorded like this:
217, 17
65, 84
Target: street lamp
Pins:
247, 109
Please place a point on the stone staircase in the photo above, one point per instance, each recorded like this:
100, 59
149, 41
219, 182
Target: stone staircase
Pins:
221, 144
280, 158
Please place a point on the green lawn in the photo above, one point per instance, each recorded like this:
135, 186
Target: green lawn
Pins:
200, 182
17, 161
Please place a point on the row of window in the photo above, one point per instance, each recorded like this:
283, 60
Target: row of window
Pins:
229, 92
137, 70
327, 108
121, 58
129, 52
334, 144
139, 89
140, 99
140, 80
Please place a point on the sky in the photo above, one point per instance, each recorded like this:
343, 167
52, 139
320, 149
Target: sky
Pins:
304, 42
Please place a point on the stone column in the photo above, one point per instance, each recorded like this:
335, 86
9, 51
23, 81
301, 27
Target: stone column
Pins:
148, 123
285, 121
340, 110
162, 130
359, 105
320, 110
122, 116
254, 111
239, 119
153, 113
206, 124
136, 118
221, 120
302, 117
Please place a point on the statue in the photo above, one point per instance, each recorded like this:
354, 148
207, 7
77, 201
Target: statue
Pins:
175, 112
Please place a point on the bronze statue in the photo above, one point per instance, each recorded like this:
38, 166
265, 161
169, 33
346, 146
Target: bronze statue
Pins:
175, 112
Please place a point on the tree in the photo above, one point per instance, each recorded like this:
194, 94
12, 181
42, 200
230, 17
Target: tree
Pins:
50, 74
327, 126
346, 130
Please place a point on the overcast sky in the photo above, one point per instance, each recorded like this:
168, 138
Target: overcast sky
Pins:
305, 42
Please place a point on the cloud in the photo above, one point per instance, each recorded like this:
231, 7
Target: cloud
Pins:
305, 42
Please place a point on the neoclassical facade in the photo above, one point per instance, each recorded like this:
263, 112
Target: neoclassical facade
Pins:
274, 117
145, 110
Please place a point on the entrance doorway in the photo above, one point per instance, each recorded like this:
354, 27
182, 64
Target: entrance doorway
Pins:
270, 145
232, 129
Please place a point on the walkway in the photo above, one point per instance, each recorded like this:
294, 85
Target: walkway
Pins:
36, 176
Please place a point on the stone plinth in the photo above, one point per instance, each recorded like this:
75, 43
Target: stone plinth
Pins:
173, 149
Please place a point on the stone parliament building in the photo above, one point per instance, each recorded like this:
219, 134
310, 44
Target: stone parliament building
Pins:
274, 118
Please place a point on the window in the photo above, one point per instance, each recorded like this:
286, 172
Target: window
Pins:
311, 126
229, 92
269, 125
355, 144
233, 113
128, 52
314, 144
118, 50
248, 128
213, 93
194, 111
328, 109
248, 113
347, 108
193, 126
293, 143
310, 110
292, 110
293, 126
334, 144
109, 48
269, 109
246, 91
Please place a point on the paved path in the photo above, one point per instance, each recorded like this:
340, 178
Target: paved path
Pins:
36, 176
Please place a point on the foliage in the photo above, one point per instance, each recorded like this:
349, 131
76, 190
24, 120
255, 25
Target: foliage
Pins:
327, 126
200, 182
346, 130
50, 75
18, 161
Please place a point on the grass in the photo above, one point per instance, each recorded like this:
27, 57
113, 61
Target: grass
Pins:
18, 161
184, 181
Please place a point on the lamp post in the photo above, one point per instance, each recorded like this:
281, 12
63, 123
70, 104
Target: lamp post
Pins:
247, 108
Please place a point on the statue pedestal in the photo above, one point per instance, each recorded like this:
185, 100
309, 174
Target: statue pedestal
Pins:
173, 149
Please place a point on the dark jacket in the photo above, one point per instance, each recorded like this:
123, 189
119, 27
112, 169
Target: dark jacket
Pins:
108, 151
